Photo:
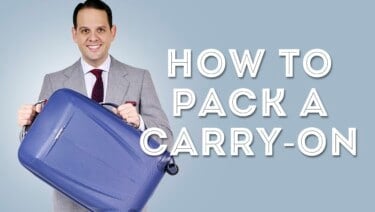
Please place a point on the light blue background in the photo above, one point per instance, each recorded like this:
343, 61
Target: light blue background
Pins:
36, 40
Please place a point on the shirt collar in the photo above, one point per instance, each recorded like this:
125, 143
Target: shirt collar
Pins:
104, 66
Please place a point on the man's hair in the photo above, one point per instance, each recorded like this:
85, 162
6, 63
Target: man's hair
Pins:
94, 4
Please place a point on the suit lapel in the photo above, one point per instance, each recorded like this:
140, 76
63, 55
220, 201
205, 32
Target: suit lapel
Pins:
75, 79
117, 85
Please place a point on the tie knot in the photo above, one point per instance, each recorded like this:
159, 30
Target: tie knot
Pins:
97, 73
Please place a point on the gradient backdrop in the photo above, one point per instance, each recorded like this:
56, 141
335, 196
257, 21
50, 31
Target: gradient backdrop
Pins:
36, 40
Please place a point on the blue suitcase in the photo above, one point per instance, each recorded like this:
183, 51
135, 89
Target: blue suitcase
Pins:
88, 153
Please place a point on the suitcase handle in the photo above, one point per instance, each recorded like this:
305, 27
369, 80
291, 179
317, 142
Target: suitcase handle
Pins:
116, 106
109, 104
134, 103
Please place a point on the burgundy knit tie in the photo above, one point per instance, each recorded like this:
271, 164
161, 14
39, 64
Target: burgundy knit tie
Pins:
97, 91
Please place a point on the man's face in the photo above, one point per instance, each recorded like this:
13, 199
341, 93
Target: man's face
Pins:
93, 35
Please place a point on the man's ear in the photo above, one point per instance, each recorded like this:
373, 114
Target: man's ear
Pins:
113, 31
74, 34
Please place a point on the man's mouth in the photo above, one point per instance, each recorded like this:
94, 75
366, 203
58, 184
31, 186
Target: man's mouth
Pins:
94, 47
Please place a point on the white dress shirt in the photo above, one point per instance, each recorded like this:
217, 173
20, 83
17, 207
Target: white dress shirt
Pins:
90, 78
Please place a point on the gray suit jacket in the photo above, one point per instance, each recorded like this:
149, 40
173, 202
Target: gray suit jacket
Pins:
124, 83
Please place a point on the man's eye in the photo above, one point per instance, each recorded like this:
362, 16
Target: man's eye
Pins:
85, 31
100, 30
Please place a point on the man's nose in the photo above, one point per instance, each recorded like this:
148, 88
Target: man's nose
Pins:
93, 36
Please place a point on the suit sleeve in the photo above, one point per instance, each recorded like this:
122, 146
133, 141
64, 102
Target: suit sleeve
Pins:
46, 90
151, 111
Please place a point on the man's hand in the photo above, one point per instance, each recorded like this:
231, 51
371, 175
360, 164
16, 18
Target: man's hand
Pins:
129, 113
27, 113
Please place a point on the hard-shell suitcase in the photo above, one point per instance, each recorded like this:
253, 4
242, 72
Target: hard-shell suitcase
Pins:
88, 153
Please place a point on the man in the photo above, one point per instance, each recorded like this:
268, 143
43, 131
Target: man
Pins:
93, 33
